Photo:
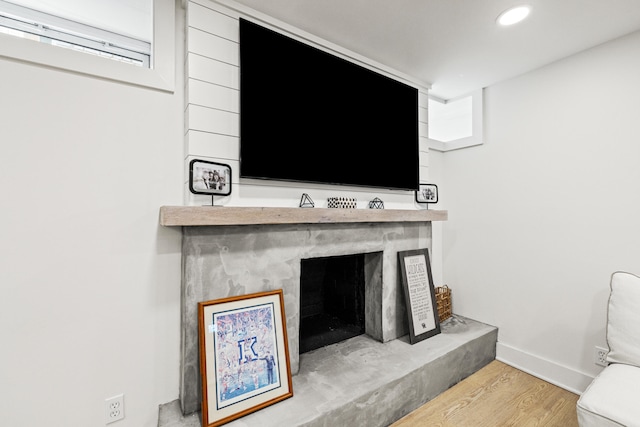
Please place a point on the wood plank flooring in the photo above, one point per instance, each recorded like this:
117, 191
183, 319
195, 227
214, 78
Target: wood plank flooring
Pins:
497, 395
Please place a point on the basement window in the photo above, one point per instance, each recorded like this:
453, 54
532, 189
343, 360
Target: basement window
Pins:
129, 41
32, 24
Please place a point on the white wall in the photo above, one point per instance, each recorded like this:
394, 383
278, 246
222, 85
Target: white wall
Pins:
90, 281
545, 210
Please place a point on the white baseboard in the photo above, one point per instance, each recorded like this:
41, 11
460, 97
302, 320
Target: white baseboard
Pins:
552, 372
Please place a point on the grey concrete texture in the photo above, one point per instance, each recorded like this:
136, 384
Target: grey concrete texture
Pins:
364, 382
224, 261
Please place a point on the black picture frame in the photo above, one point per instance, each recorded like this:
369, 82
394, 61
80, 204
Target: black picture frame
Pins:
210, 178
427, 193
419, 293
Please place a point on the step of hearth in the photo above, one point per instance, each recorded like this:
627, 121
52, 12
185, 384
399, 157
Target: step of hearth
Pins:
362, 381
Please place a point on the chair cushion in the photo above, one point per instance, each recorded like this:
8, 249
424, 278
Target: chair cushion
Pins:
623, 319
612, 398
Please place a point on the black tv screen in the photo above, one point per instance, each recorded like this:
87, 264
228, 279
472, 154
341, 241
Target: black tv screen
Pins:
307, 115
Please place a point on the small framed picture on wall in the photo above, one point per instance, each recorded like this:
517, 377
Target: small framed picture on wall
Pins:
427, 193
210, 178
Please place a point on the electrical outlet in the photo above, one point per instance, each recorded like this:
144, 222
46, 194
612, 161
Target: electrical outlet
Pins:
114, 408
600, 356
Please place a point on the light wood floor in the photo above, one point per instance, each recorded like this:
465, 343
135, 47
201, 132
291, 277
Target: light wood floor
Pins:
497, 395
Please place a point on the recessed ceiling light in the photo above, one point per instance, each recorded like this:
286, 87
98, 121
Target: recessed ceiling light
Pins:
513, 15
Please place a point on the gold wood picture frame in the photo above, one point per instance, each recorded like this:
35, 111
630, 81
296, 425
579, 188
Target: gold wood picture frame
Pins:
244, 356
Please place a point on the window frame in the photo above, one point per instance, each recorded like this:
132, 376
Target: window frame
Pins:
160, 76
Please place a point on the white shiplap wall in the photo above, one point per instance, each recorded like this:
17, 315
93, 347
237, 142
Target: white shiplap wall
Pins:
212, 93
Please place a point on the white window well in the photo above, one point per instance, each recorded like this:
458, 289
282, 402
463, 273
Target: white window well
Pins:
451, 120
455, 123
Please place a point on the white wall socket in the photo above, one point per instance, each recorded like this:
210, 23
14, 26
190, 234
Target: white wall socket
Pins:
114, 409
600, 356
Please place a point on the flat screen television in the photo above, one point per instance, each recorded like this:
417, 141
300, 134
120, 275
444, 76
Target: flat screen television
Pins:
309, 116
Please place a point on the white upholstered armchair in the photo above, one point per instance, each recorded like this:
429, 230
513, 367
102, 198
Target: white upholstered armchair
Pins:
613, 398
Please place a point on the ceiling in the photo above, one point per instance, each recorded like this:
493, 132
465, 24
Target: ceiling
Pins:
455, 45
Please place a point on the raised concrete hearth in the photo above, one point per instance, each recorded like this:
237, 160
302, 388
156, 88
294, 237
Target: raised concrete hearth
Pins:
364, 382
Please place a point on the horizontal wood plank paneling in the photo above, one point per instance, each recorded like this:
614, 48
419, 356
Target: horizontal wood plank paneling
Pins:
423, 129
213, 47
423, 133
213, 22
213, 145
213, 96
424, 174
423, 144
423, 115
212, 120
424, 158
217, 7
213, 71
423, 100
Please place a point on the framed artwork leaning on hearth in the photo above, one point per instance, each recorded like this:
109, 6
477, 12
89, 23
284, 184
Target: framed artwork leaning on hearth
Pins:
244, 357
419, 294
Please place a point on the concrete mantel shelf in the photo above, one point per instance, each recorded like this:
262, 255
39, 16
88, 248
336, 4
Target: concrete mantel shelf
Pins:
187, 216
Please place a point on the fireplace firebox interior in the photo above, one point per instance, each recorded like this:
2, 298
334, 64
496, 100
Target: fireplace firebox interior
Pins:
332, 300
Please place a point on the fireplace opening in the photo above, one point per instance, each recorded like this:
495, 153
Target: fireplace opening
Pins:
332, 300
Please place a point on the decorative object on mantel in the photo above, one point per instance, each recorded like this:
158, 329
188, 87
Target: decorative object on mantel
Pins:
341, 202
419, 294
443, 302
427, 193
209, 178
243, 371
376, 204
306, 202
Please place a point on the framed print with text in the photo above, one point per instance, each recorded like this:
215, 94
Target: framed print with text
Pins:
419, 293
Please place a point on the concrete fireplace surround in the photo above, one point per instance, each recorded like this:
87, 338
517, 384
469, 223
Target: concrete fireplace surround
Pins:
237, 251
